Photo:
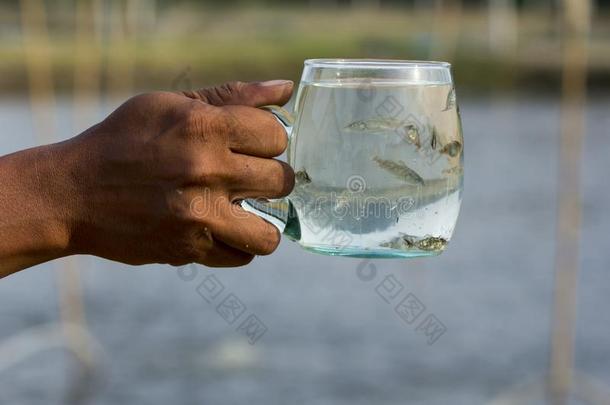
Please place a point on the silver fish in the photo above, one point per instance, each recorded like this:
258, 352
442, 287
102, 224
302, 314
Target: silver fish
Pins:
302, 177
432, 243
376, 124
402, 242
406, 242
452, 149
433, 140
412, 135
450, 103
400, 170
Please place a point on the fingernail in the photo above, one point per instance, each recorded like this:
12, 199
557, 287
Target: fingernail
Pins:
275, 83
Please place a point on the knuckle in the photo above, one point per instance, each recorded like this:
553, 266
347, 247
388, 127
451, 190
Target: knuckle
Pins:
214, 171
192, 120
223, 93
192, 170
191, 211
196, 120
225, 122
181, 208
233, 87
200, 171
186, 164
220, 126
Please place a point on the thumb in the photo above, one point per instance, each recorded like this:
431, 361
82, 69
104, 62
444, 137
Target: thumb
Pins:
253, 94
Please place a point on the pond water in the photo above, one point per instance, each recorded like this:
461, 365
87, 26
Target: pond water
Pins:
334, 332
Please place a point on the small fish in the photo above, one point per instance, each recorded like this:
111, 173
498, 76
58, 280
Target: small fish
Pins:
376, 124
402, 242
432, 243
408, 240
452, 149
412, 135
450, 103
433, 139
399, 169
302, 177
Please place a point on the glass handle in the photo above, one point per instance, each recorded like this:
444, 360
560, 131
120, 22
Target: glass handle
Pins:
283, 116
279, 212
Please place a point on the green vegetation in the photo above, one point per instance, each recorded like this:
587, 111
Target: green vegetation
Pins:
188, 46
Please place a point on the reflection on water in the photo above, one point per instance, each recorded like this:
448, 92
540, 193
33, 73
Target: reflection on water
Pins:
331, 338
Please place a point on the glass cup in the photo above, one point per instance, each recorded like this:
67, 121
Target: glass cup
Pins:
377, 150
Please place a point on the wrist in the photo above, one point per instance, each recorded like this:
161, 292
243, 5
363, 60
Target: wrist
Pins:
37, 214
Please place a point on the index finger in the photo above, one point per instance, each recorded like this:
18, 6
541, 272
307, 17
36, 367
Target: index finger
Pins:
255, 132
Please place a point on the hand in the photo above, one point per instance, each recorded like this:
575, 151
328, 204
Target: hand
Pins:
158, 181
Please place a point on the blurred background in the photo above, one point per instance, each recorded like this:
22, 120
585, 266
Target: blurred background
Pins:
513, 311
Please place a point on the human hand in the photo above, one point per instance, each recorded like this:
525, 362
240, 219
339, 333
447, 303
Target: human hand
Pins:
158, 180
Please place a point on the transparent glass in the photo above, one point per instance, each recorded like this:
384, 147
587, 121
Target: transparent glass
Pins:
377, 150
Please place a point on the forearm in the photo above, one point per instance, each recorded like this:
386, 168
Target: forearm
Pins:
124, 189
34, 214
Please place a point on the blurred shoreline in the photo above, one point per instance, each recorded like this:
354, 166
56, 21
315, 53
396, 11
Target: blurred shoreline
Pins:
186, 46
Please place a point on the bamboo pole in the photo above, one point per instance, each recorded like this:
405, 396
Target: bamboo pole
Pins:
120, 52
575, 30
40, 77
447, 22
87, 51
503, 28
86, 90
563, 382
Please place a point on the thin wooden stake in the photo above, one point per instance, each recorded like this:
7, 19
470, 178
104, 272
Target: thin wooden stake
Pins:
575, 30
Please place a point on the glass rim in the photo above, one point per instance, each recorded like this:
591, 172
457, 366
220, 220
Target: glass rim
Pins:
377, 63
